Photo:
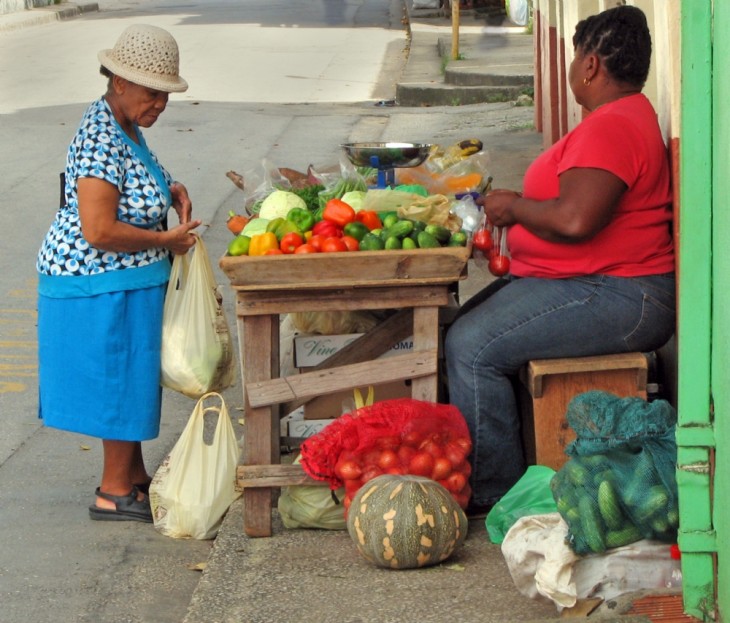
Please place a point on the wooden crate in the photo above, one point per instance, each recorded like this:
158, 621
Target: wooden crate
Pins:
347, 270
551, 384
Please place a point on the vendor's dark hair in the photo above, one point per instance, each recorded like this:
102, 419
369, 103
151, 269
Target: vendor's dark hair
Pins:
107, 74
621, 37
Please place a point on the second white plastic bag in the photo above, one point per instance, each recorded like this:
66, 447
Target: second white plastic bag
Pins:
194, 486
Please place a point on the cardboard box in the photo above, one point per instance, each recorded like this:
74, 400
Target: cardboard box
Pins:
311, 350
334, 405
306, 428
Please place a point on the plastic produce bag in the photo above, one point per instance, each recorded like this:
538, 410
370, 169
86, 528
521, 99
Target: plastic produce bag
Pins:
619, 486
194, 486
197, 350
312, 506
530, 495
399, 436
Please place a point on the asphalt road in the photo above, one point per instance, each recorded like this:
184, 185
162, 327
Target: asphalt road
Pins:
271, 80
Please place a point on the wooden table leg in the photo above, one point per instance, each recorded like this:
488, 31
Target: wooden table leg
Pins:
261, 443
425, 337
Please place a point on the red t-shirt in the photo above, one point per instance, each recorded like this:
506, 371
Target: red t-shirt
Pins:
622, 137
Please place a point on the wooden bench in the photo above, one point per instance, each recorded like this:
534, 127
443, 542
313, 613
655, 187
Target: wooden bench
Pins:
550, 384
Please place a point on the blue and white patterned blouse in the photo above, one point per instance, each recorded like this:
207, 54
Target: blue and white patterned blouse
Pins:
67, 264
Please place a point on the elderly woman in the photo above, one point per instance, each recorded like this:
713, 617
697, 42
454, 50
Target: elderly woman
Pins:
103, 269
592, 268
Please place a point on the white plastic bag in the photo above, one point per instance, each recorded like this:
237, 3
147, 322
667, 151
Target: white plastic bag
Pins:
194, 486
197, 353
543, 565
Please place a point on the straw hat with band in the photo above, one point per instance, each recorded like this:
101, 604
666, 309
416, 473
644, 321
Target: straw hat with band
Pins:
148, 56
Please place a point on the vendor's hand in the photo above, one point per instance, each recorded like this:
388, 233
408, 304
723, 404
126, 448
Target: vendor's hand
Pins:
181, 202
498, 205
181, 239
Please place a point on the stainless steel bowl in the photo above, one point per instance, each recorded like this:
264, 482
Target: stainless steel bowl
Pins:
386, 155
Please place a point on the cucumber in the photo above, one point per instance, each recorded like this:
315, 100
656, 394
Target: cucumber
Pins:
399, 229
437, 231
393, 242
409, 243
624, 536
590, 522
427, 241
608, 505
576, 473
656, 501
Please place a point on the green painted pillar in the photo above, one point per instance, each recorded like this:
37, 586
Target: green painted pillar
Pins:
695, 432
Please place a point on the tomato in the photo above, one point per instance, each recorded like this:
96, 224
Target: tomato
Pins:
405, 454
351, 243
421, 464
387, 459
462, 499
412, 438
433, 448
482, 240
370, 472
274, 252
333, 245
346, 503
441, 468
499, 265
456, 482
289, 242
351, 486
391, 442
306, 248
396, 471
316, 241
455, 453
465, 469
347, 470
465, 444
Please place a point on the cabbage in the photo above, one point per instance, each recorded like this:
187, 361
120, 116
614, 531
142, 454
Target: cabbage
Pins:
354, 198
255, 226
278, 204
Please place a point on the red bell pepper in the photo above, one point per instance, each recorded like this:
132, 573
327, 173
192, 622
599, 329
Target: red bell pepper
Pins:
369, 218
326, 229
338, 212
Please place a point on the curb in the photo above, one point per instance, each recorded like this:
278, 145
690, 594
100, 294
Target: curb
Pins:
44, 15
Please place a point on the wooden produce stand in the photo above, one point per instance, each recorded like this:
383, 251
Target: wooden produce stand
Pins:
414, 282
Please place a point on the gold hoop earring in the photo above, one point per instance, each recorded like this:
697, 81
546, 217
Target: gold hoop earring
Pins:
586, 82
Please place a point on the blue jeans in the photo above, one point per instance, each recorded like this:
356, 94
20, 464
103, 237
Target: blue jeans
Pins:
515, 320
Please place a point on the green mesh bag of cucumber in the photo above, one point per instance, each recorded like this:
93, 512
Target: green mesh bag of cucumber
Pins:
619, 484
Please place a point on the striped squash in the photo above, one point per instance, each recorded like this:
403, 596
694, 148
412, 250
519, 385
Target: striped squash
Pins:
404, 522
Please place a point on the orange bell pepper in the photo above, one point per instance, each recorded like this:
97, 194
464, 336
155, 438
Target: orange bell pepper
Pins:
261, 243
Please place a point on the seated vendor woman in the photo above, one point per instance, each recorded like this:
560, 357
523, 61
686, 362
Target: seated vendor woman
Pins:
592, 268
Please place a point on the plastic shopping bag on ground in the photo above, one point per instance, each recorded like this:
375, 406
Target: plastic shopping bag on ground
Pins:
312, 506
193, 488
530, 495
197, 350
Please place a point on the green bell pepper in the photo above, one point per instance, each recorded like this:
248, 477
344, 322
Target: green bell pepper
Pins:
302, 218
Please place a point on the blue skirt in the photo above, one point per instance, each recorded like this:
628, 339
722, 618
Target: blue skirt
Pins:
99, 363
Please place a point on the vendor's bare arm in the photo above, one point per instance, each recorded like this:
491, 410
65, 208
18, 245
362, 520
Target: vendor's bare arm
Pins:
587, 202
